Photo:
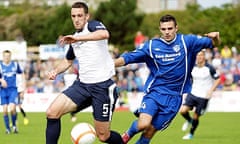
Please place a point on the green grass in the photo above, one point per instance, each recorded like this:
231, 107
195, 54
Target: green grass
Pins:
214, 128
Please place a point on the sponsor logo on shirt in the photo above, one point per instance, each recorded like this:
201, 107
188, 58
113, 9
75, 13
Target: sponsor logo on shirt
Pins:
168, 57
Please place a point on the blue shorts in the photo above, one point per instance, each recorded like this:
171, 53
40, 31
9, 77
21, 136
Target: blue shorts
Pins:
9, 95
162, 110
199, 103
102, 96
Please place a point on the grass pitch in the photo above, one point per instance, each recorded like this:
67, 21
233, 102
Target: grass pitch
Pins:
214, 128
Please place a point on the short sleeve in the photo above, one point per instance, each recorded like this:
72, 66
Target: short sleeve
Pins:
95, 25
70, 53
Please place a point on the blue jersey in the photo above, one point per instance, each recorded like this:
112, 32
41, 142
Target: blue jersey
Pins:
170, 63
8, 72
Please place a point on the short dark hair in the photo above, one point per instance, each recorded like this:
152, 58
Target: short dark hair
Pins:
81, 5
7, 51
168, 18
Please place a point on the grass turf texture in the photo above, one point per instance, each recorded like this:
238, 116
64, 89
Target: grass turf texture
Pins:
214, 128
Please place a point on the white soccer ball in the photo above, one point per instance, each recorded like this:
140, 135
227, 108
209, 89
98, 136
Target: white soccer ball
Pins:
83, 133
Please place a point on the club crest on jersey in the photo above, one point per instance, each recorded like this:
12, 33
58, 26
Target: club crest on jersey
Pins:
143, 105
176, 48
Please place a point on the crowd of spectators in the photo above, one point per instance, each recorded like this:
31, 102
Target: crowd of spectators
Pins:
227, 63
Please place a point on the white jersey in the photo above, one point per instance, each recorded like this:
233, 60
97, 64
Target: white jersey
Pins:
203, 79
19, 82
69, 78
95, 62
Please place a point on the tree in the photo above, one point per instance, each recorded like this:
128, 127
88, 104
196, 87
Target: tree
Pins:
43, 26
121, 19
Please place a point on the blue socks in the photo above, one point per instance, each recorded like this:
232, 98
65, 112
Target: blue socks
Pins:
14, 118
133, 129
6, 121
143, 140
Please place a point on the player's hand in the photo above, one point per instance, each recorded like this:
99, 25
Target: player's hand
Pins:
52, 75
215, 36
212, 35
3, 83
68, 39
209, 94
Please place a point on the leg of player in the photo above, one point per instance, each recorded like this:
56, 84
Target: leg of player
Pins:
20, 101
60, 106
195, 122
13, 117
105, 134
185, 113
25, 119
6, 119
103, 104
10, 102
147, 135
137, 126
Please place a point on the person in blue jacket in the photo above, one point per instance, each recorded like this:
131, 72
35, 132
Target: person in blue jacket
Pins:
170, 60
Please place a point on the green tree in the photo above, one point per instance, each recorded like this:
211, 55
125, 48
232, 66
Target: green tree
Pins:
60, 22
34, 26
45, 25
121, 19
225, 19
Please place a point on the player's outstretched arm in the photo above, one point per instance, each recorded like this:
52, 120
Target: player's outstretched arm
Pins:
215, 36
93, 36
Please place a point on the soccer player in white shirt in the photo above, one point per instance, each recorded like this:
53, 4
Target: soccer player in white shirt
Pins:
20, 80
205, 81
89, 45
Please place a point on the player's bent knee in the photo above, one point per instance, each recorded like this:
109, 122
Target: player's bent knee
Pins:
143, 125
51, 113
183, 110
144, 121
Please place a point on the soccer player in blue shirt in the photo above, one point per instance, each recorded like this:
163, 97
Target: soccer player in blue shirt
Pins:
170, 60
9, 94
89, 45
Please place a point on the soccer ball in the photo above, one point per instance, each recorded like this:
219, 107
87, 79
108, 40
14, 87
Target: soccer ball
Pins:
83, 133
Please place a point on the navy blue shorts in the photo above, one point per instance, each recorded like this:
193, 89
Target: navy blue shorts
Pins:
101, 96
199, 103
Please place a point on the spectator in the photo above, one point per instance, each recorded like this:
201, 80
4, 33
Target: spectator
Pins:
139, 39
226, 55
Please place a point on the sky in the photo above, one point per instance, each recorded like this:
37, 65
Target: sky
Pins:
212, 3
